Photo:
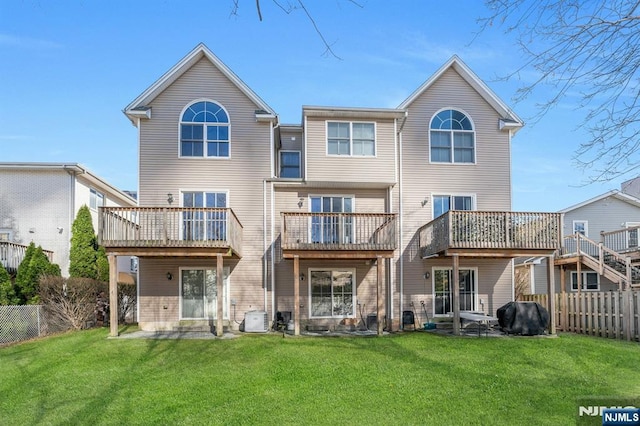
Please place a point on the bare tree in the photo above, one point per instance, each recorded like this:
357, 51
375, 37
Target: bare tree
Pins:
289, 7
590, 49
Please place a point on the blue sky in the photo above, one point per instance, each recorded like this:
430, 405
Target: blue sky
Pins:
69, 68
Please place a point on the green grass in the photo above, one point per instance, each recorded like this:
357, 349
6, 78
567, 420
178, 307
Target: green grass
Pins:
412, 378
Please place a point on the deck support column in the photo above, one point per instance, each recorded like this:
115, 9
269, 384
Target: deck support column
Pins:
564, 307
219, 294
296, 295
379, 296
455, 299
551, 294
113, 295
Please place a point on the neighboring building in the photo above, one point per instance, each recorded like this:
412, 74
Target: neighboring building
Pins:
612, 219
330, 221
39, 202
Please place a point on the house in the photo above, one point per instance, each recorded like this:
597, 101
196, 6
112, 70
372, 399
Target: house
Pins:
353, 216
39, 202
612, 220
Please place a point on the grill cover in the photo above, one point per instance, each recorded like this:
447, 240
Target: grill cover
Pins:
526, 318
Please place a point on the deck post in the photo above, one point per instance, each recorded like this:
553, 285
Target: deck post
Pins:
455, 299
379, 295
564, 305
113, 295
219, 294
551, 294
296, 295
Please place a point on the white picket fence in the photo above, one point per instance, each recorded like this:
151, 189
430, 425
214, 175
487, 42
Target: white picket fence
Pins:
22, 322
612, 314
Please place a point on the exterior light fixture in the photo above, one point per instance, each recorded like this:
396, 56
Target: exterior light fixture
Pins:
169, 276
170, 198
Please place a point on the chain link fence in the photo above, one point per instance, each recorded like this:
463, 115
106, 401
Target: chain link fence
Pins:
21, 323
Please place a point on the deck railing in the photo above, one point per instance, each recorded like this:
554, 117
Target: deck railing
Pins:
490, 230
339, 231
169, 227
11, 254
622, 240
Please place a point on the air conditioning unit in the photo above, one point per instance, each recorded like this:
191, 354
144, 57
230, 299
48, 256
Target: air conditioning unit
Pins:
255, 322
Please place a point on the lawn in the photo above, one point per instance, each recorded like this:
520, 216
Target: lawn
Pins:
411, 378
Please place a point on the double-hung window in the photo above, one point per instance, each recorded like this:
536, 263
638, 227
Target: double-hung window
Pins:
332, 293
443, 288
290, 164
581, 227
590, 281
351, 139
444, 203
452, 138
96, 199
204, 216
204, 131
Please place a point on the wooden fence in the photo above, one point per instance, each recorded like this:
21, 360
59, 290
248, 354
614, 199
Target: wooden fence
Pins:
612, 314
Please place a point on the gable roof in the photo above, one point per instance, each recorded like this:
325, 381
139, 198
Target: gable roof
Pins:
139, 106
509, 118
613, 193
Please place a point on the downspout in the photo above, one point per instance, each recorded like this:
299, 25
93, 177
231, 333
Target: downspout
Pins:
264, 240
401, 213
268, 246
513, 263
138, 204
390, 269
273, 260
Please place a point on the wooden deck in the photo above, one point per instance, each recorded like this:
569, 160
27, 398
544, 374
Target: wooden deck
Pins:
491, 234
338, 235
170, 231
12, 254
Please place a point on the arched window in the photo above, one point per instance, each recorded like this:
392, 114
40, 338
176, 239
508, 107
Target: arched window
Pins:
204, 131
452, 138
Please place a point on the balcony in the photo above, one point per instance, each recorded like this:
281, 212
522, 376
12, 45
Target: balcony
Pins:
170, 231
12, 254
491, 234
339, 235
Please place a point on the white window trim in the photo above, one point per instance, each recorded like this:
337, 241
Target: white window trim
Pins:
226, 271
204, 148
217, 191
101, 195
353, 207
626, 225
448, 268
351, 123
355, 286
453, 194
586, 227
280, 162
584, 281
475, 139
9, 233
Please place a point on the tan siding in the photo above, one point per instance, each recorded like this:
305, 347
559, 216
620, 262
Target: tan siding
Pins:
162, 172
323, 167
489, 178
494, 283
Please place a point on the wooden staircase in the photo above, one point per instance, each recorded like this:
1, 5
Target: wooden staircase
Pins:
616, 267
